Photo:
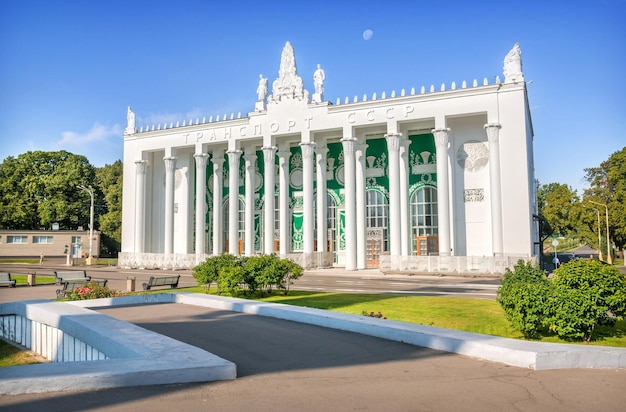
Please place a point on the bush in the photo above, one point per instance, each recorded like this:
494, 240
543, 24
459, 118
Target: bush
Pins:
235, 275
92, 291
523, 296
586, 294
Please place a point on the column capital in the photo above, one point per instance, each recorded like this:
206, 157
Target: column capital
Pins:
233, 155
249, 156
307, 149
394, 140
201, 159
441, 135
170, 163
493, 131
141, 166
268, 153
348, 144
217, 162
321, 151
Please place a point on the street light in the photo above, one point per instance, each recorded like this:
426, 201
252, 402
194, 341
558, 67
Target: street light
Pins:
599, 240
609, 258
90, 191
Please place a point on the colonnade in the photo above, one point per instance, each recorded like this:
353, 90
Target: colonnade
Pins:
354, 157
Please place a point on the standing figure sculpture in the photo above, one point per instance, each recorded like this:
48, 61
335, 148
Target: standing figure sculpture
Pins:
513, 65
130, 118
318, 80
261, 91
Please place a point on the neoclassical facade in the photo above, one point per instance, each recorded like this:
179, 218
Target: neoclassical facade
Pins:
433, 180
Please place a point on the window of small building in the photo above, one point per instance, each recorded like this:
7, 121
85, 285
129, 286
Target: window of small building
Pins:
17, 239
42, 239
76, 239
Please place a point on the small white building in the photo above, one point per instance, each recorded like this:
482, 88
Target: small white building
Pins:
431, 180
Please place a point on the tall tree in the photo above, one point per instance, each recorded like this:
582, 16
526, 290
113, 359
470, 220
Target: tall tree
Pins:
109, 181
40, 188
560, 206
607, 185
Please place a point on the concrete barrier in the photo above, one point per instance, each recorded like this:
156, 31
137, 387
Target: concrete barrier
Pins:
130, 355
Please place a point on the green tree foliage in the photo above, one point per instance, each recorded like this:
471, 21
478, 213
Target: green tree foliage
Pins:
235, 275
560, 206
39, 188
607, 185
580, 296
109, 182
585, 294
523, 296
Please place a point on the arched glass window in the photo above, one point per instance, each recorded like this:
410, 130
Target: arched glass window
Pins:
377, 214
424, 221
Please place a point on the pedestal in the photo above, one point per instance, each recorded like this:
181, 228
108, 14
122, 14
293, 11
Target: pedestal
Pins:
130, 284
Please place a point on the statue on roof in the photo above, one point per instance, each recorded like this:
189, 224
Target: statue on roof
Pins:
130, 119
288, 84
261, 92
513, 65
318, 81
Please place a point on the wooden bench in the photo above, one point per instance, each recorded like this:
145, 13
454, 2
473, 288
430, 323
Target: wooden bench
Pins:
71, 275
171, 281
5, 280
70, 285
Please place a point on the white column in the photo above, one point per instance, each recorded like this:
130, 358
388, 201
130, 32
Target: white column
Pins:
393, 149
405, 244
443, 188
322, 206
283, 198
233, 201
201, 161
308, 222
140, 205
361, 224
250, 158
218, 212
170, 167
269, 153
495, 185
350, 201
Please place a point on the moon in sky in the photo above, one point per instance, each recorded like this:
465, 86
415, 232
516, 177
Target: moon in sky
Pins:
367, 34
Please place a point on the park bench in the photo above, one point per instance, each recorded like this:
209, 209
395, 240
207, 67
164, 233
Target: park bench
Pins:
70, 285
5, 280
71, 275
171, 281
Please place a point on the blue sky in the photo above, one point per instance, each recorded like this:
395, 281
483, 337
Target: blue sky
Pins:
69, 69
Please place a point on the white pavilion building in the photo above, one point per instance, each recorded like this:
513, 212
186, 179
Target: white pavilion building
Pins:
421, 180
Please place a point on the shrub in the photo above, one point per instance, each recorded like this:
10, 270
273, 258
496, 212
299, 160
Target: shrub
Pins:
207, 272
524, 296
235, 275
586, 294
92, 291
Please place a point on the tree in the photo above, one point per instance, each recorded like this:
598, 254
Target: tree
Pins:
608, 186
109, 182
39, 188
560, 206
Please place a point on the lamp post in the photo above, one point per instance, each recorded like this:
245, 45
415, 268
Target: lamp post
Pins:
599, 240
90, 191
609, 258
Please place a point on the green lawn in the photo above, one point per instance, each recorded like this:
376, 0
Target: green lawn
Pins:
466, 314
12, 356
41, 280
